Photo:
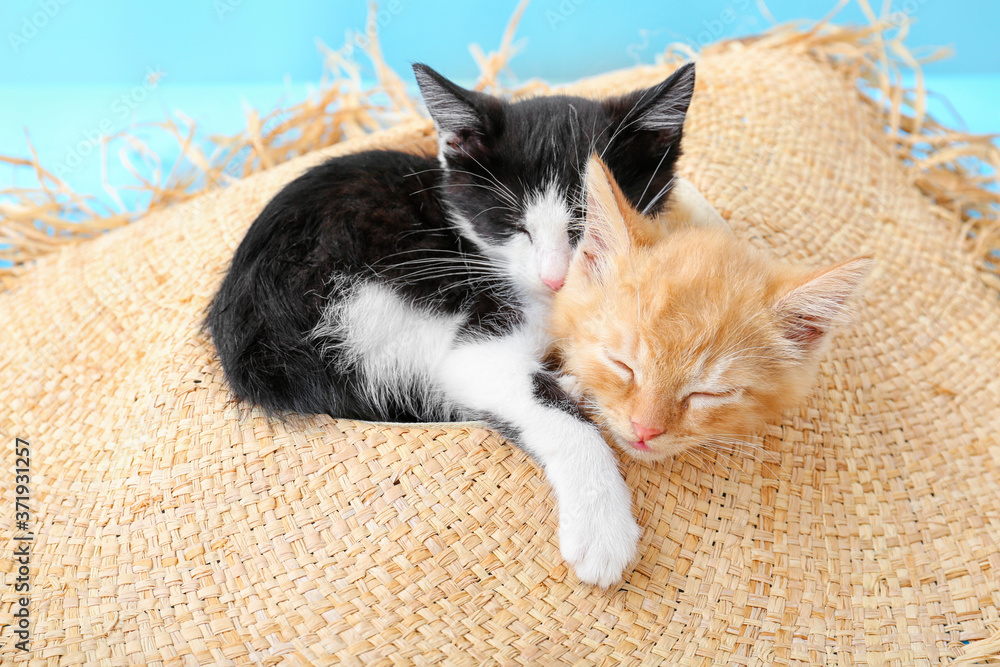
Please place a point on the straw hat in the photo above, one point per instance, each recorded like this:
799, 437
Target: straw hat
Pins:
175, 527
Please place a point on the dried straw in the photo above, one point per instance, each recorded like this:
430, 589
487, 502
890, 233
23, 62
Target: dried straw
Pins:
34, 222
948, 165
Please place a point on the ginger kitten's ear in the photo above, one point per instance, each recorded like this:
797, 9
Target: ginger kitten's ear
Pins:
811, 310
606, 230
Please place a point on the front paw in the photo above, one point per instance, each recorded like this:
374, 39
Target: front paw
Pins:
599, 538
571, 385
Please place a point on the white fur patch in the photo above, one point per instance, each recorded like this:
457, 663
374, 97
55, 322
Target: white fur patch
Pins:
464, 225
395, 346
546, 255
547, 219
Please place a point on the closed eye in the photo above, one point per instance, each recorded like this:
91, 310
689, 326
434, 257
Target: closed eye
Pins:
623, 367
708, 398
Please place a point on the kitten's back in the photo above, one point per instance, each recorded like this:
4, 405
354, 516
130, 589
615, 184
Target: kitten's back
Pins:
283, 275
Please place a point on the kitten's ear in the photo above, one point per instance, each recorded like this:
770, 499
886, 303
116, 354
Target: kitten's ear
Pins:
457, 113
645, 138
605, 228
810, 311
663, 107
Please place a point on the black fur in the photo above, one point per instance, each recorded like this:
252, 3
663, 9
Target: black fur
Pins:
346, 216
505, 428
545, 388
362, 216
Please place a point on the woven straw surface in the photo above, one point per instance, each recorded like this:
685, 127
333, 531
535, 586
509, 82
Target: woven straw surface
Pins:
176, 528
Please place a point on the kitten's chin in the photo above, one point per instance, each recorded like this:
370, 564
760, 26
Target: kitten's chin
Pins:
532, 289
540, 291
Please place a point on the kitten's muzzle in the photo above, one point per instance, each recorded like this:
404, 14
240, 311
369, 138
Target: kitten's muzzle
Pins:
644, 433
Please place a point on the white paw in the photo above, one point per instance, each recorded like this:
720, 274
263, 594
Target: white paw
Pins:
571, 385
598, 535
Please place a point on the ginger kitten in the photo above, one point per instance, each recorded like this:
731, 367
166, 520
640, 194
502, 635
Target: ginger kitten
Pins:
675, 337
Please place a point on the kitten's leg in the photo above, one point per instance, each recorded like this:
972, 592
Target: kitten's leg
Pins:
502, 380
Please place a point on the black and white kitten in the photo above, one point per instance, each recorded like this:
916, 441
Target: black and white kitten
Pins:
387, 286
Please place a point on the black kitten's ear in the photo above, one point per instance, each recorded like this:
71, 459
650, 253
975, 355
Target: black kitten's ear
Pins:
663, 107
453, 108
644, 138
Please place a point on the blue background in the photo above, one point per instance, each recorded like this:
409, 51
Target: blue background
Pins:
72, 70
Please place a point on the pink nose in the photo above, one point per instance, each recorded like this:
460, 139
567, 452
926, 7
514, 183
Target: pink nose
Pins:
554, 283
645, 432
